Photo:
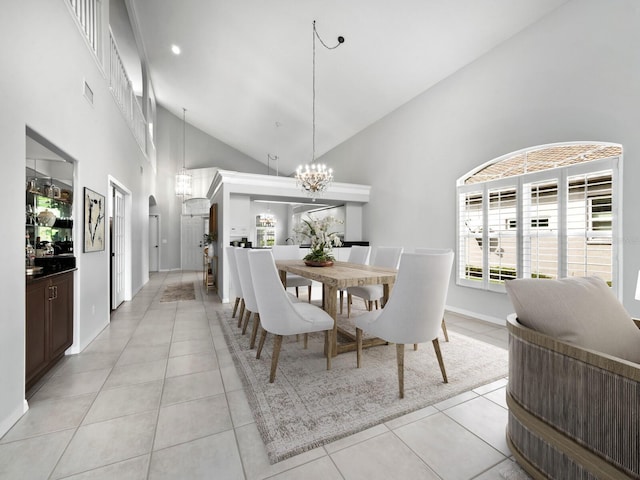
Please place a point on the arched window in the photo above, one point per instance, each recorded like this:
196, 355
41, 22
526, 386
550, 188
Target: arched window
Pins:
542, 212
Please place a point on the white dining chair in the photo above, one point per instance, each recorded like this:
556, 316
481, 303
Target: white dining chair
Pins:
388, 257
278, 314
436, 251
251, 306
414, 311
292, 252
235, 284
357, 254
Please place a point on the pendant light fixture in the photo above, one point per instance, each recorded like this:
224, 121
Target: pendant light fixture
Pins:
314, 178
183, 178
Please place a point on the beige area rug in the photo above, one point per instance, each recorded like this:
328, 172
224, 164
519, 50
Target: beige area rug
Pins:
308, 406
176, 292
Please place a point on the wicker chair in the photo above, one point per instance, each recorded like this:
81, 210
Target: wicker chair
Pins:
573, 412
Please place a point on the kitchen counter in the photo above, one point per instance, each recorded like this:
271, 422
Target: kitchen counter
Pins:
44, 274
49, 266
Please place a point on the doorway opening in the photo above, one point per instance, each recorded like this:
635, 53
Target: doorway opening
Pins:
154, 235
119, 244
193, 230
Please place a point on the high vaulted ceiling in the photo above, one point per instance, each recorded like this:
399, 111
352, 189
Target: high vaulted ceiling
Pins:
245, 71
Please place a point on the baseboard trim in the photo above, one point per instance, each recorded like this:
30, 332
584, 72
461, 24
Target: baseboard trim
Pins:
10, 421
477, 316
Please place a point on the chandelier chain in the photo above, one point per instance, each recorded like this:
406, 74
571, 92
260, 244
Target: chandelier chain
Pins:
184, 137
183, 178
313, 96
315, 178
313, 93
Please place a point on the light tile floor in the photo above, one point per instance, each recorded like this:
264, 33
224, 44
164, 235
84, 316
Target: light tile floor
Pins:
156, 396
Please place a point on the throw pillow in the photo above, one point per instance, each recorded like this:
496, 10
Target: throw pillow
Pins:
579, 310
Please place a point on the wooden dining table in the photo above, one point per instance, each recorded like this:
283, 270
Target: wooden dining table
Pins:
339, 276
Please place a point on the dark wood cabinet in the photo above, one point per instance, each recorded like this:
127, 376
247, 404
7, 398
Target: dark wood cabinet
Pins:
49, 323
213, 219
36, 327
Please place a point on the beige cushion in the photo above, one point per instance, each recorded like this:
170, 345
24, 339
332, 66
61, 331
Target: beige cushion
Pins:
582, 311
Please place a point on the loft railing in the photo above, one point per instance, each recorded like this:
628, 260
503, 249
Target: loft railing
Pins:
125, 97
88, 15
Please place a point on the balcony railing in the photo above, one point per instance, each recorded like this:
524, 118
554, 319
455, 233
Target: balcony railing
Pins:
125, 97
88, 15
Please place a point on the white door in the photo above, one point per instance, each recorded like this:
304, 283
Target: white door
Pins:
154, 243
117, 250
193, 229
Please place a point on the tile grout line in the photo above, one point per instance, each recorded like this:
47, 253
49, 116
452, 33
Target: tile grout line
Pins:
97, 394
164, 378
233, 426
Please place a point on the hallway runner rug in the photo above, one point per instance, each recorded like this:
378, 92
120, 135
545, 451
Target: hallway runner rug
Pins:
308, 406
175, 292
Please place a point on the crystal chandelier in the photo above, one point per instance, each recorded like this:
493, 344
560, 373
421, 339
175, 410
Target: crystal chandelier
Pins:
183, 178
315, 178
267, 220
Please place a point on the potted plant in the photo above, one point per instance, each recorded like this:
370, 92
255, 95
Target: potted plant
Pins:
322, 240
208, 239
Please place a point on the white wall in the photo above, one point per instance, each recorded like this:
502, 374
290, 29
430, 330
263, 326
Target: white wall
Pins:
44, 66
574, 75
240, 217
353, 226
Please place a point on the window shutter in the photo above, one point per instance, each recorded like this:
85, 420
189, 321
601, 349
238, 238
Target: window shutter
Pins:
501, 238
589, 225
540, 214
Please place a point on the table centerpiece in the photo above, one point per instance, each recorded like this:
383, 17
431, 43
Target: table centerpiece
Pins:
322, 240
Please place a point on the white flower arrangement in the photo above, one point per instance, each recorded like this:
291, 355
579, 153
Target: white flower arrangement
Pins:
322, 240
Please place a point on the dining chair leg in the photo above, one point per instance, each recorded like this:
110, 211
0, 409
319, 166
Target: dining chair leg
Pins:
348, 305
235, 307
341, 300
254, 331
358, 347
377, 306
444, 330
241, 312
246, 321
400, 358
263, 337
297, 293
306, 340
415, 347
277, 344
328, 338
309, 288
436, 347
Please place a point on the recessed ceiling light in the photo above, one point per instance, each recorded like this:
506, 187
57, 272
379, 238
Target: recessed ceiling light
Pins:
175, 49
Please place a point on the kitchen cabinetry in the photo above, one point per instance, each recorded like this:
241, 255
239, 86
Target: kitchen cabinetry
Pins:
49, 323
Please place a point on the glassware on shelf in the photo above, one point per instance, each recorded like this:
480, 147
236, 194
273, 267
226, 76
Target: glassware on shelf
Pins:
30, 252
47, 218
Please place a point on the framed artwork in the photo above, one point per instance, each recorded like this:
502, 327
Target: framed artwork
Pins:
94, 211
